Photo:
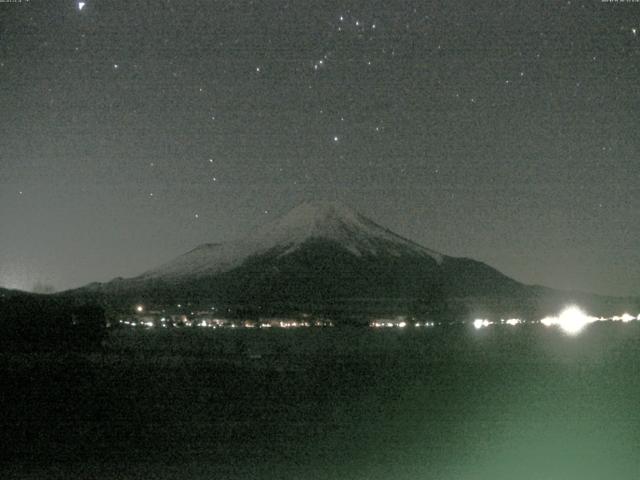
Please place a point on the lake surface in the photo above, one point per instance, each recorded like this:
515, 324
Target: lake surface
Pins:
522, 402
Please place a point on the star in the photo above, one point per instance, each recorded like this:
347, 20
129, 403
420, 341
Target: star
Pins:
634, 30
335, 139
115, 66
81, 5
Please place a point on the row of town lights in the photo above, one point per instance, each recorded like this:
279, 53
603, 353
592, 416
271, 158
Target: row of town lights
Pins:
571, 320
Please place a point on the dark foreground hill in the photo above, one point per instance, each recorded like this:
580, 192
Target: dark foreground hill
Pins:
46, 322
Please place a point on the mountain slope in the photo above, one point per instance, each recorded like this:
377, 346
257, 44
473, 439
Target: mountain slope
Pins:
327, 221
324, 257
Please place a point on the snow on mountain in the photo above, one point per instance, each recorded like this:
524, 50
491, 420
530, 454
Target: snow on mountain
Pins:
326, 221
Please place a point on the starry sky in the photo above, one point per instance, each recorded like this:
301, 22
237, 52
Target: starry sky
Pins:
505, 131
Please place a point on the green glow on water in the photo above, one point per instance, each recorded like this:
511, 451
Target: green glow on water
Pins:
489, 404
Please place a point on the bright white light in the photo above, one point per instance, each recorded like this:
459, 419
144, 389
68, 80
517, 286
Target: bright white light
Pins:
513, 321
572, 320
626, 318
402, 324
548, 321
139, 308
81, 5
478, 323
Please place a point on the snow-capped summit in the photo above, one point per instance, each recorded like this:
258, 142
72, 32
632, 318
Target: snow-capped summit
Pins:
339, 223
309, 221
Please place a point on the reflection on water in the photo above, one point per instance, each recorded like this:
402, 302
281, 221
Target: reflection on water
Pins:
445, 403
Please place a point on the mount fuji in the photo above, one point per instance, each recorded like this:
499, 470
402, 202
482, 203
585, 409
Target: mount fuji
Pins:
324, 257
308, 223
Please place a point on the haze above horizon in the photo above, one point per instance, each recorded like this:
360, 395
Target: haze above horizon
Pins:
503, 133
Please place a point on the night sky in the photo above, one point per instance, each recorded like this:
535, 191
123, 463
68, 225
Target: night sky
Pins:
505, 131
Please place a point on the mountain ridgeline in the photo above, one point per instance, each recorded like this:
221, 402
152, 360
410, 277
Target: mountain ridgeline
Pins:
324, 258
